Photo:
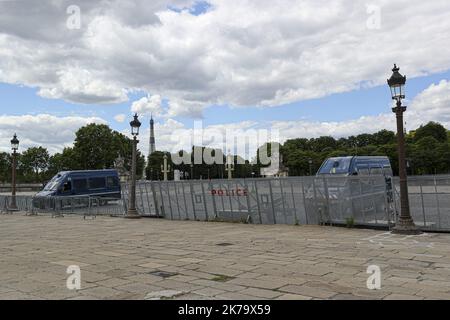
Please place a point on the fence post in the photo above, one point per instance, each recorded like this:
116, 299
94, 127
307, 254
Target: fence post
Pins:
423, 206
184, 200
229, 200
304, 200
213, 199
176, 197
327, 196
315, 201
257, 201
204, 201
271, 202
250, 217
282, 201
166, 183
437, 202
192, 199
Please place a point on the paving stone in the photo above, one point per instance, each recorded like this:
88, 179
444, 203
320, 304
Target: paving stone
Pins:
264, 284
262, 293
308, 291
282, 262
100, 292
396, 296
209, 292
290, 296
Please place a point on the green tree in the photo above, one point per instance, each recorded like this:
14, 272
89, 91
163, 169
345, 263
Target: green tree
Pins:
5, 167
34, 162
432, 129
98, 147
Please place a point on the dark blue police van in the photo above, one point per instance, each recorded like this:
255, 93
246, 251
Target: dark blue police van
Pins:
356, 166
96, 183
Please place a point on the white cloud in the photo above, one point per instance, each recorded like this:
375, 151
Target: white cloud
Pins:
120, 118
48, 131
55, 133
259, 52
151, 104
79, 85
434, 103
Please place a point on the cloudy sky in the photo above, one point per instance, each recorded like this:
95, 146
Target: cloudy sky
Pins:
303, 67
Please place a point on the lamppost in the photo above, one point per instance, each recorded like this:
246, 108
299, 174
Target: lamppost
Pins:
405, 224
14, 147
132, 212
192, 171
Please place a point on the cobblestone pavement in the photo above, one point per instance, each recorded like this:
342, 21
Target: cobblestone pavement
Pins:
150, 259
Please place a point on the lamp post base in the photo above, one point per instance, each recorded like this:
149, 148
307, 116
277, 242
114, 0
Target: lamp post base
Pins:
406, 227
132, 214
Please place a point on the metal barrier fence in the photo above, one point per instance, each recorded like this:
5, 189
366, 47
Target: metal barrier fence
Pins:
366, 201
23, 203
293, 200
87, 206
429, 198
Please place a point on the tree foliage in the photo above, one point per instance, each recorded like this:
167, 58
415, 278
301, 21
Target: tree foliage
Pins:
98, 147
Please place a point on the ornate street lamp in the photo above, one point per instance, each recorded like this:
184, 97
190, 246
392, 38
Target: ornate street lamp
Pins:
14, 146
132, 212
405, 223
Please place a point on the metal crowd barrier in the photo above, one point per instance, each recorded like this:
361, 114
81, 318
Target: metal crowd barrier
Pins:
293, 200
86, 206
356, 200
23, 204
429, 198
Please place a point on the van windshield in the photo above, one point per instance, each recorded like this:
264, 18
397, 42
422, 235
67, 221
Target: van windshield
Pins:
336, 166
52, 185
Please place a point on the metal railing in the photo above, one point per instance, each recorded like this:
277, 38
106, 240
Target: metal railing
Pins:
294, 200
429, 198
86, 206
365, 201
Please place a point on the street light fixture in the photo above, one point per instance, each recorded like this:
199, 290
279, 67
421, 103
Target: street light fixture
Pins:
132, 212
14, 146
405, 223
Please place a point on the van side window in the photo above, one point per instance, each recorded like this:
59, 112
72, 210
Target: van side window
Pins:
363, 171
376, 171
67, 186
80, 184
112, 182
97, 183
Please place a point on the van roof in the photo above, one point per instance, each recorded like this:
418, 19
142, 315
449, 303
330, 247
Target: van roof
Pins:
104, 171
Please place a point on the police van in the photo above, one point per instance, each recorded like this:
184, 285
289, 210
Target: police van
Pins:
356, 166
98, 183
